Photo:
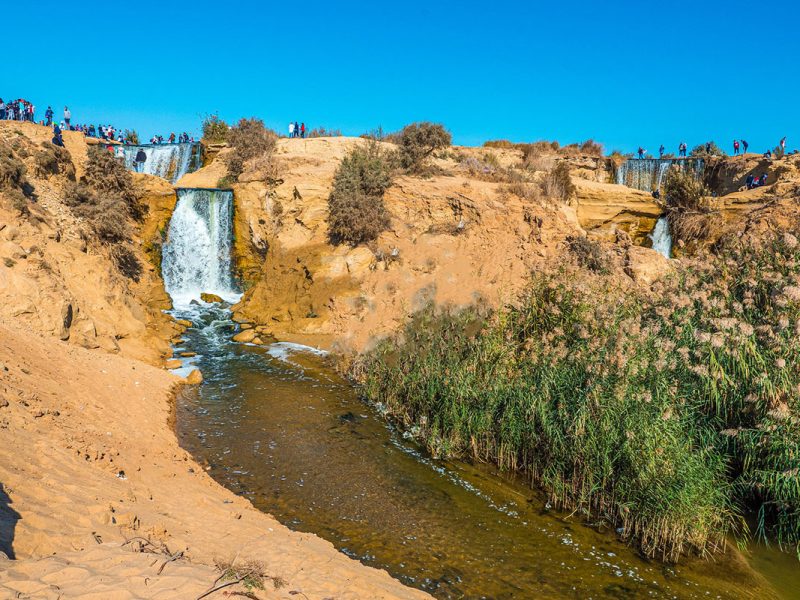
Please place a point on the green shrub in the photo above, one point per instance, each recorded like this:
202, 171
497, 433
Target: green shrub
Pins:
670, 416
132, 136
249, 139
215, 130
356, 210
418, 141
701, 151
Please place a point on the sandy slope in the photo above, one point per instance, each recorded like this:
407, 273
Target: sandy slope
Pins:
88, 460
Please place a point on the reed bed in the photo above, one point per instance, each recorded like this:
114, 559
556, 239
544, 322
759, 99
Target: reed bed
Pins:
669, 416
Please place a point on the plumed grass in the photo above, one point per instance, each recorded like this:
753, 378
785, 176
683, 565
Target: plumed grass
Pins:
669, 417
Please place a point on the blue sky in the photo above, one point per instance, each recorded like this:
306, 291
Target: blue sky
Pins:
624, 73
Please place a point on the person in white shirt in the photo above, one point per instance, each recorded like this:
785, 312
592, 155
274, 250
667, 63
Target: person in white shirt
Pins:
67, 116
291, 129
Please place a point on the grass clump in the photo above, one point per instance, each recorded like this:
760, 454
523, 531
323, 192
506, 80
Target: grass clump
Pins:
557, 183
418, 141
671, 416
249, 140
357, 213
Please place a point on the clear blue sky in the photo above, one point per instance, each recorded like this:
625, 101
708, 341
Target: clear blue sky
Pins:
625, 73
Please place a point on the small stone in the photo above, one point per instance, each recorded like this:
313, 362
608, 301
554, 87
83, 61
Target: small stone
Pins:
258, 341
173, 363
184, 322
188, 354
195, 377
3, 402
244, 326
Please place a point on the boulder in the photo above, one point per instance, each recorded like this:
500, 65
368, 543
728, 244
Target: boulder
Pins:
184, 322
210, 298
246, 336
195, 377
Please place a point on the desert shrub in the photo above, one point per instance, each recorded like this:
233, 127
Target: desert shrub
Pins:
591, 148
588, 253
215, 130
670, 416
107, 215
248, 140
692, 215
499, 144
127, 262
418, 141
132, 136
702, 152
356, 210
106, 174
526, 190
12, 169
318, 132
17, 200
557, 184
54, 160
778, 152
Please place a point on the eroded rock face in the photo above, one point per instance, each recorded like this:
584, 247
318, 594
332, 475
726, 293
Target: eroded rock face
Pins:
603, 208
55, 283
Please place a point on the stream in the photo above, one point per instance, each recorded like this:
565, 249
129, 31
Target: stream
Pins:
279, 427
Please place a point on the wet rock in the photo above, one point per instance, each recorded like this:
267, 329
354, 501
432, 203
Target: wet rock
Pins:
246, 326
210, 298
184, 322
173, 363
195, 377
245, 336
258, 341
188, 354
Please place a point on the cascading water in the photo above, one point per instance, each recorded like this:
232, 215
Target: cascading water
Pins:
662, 240
648, 174
197, 254
170, 161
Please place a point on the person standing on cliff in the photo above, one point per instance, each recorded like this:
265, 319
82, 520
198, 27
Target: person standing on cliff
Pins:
302, 130
783, 144
48, 114
291, 129
141, 157
642, 152
745, 145
67, 116
661, 151
735, 147
682, 149
2, 110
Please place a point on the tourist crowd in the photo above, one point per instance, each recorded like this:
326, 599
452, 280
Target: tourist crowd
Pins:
738, 145
183, 138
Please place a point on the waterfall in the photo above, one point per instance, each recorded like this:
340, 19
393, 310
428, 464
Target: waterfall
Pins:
170, 161
197, 253
662, 240
648, 174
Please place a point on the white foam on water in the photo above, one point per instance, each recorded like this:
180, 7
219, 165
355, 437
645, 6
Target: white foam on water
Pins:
169, 161
662, 239
284, 350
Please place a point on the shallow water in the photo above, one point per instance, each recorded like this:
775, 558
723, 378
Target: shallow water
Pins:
277, 426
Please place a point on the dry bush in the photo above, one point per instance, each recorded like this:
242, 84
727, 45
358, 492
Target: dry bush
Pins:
248, 140
12, 170
357, 213
318, 132
107, 215
127, 262
524, 189
132, 136
505, 144
215, 130
106, 174
54, 160
557, 184
592, 148
693, 216
588, 253
18, 201
418, 141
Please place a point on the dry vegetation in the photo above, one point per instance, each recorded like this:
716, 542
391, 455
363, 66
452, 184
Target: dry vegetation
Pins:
693, 213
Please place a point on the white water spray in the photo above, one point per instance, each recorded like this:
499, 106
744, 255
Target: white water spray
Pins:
662, 240
170, 161
197, 254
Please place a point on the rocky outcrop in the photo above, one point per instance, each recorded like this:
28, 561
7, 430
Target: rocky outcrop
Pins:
603, 208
